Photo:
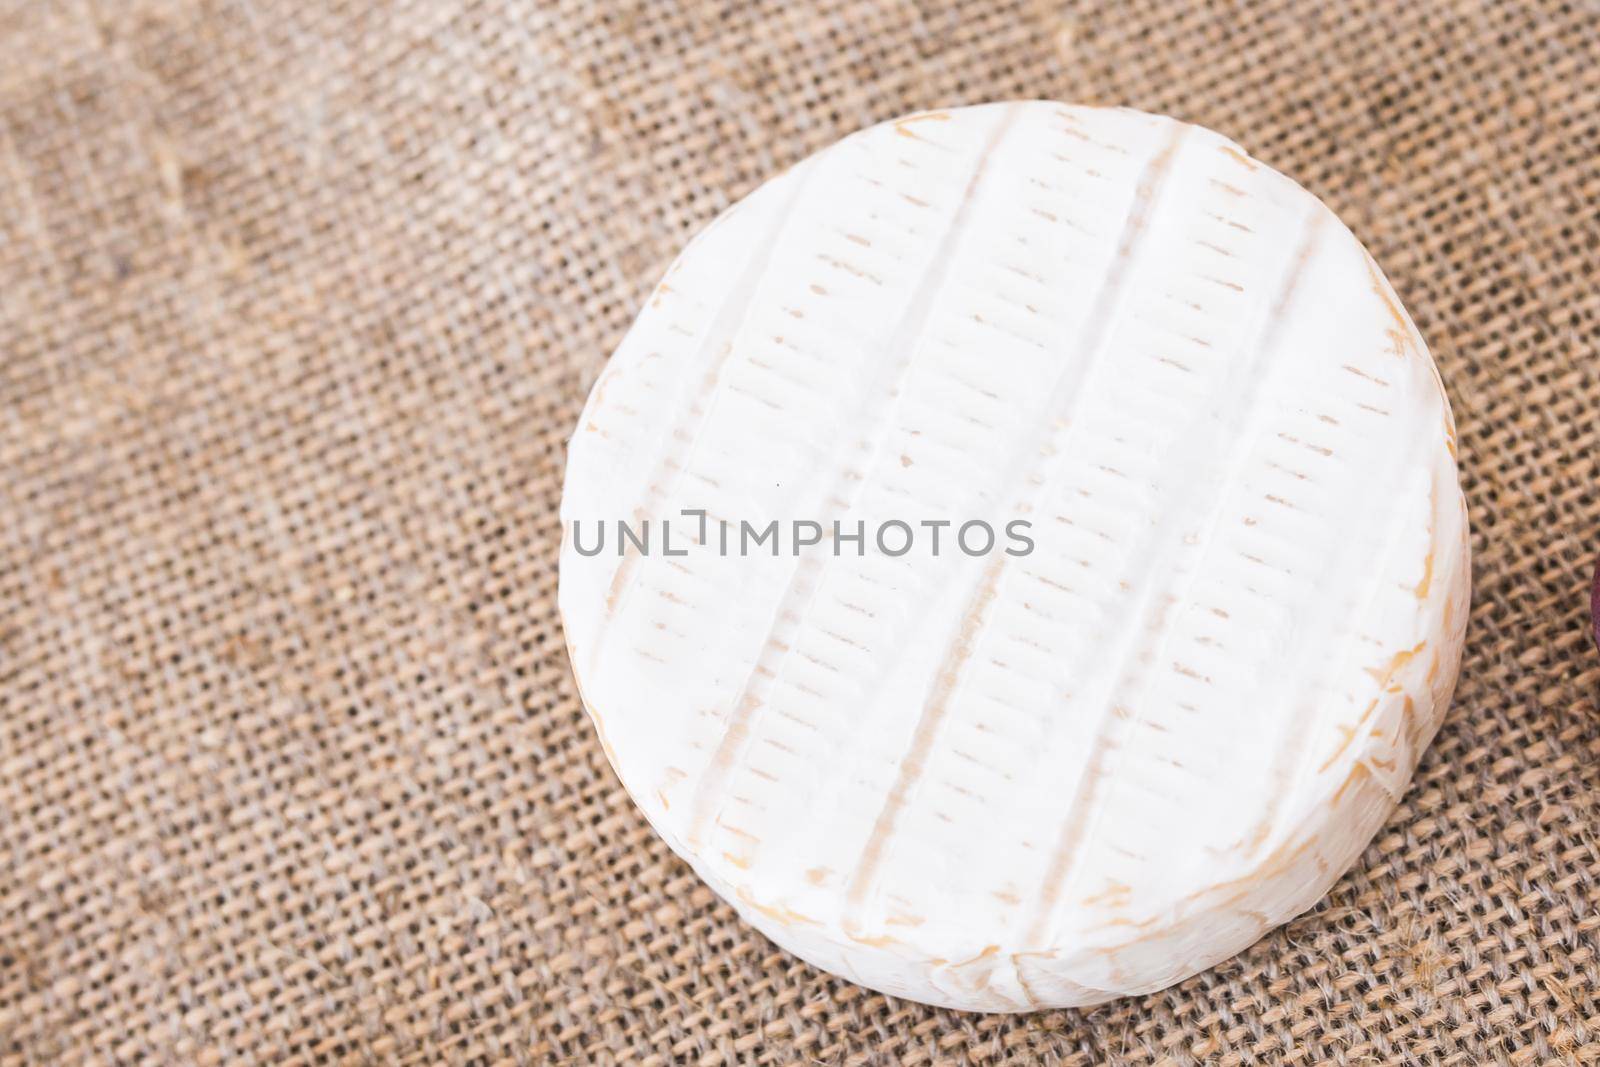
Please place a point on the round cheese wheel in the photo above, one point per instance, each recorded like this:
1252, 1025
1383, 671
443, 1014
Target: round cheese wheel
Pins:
1016, 556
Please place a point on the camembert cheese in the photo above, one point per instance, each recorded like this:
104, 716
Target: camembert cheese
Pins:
1016, 556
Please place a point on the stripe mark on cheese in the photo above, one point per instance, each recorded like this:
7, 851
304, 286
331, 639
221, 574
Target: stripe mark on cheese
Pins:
714, 351
1252, 382
876, 407
1088, 351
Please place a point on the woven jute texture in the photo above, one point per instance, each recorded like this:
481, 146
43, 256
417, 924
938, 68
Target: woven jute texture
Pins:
298, 302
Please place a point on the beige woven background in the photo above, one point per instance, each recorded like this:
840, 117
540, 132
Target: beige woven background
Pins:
297, 304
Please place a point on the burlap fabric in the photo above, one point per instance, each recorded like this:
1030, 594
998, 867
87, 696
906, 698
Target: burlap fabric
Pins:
297, 304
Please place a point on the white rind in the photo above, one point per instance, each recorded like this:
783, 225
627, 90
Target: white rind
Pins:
1002, 783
